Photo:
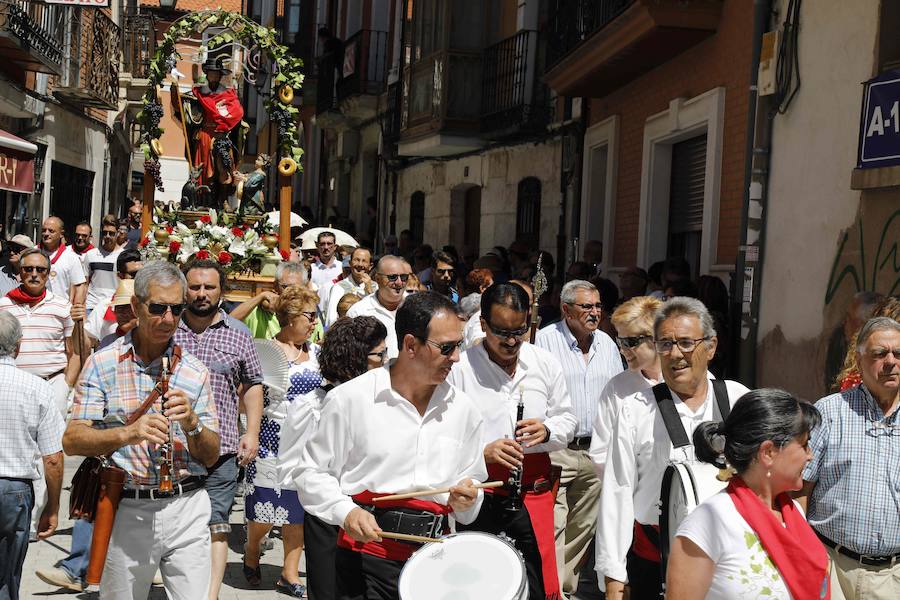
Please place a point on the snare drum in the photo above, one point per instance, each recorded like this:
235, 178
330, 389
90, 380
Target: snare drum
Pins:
684, 486
465, 566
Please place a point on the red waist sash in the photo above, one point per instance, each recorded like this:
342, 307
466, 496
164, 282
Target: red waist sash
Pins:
388, 549
643, 546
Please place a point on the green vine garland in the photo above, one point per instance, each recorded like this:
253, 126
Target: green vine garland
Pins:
237, 28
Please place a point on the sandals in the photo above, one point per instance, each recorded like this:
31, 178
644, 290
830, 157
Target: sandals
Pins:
296, 590
253, 576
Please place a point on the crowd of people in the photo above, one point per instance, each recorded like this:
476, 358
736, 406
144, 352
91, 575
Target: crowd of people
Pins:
420, 370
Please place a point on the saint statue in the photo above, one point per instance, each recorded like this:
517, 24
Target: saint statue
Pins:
212, 116
251, 187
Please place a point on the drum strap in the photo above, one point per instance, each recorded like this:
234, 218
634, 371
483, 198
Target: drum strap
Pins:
670, 416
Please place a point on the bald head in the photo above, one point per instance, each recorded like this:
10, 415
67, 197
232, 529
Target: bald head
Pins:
51, 233
391, 262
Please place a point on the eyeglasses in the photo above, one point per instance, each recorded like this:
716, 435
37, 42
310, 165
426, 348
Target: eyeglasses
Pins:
881, 427
686, 345
505, 334
445, 348
444, 271
16, 249
158, 309
82, 235
379, 355
109, 233
32, 269
310, 315
633, 341
587, 307
404, 277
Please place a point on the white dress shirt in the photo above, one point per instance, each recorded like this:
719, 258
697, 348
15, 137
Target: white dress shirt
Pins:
323, 276
584, 380
67, 271
623, 385
371, 307
371, 438
538, 375
338, 290
473, 332
639, 452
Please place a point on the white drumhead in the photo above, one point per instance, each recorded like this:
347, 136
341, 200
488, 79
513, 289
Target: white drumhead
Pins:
465, 566
689, 485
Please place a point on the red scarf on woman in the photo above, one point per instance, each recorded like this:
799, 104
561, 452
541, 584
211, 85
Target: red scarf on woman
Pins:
794, 548
20, 296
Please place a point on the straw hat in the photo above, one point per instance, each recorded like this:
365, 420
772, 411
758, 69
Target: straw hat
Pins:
124, 293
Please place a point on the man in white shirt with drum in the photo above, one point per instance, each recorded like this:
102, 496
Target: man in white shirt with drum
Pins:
641, 447
396, 429
498, 374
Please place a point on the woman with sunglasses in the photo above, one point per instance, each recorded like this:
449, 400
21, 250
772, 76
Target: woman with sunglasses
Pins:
351, 347
271, 498
633, 321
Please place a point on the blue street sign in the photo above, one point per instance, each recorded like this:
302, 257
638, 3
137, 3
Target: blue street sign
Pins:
879, 130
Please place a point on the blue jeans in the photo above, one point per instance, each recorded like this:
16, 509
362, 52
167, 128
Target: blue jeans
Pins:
76, 563
16, 504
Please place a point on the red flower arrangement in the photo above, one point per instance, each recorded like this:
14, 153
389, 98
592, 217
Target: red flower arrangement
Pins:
237, 231
169, 229
285, 254
205, 219
224, 258
144, 242
202, 254
174, 247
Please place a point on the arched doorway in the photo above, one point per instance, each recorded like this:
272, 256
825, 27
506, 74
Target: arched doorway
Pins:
528, 212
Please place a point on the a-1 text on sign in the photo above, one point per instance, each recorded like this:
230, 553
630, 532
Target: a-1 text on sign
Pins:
94, 3
879, 128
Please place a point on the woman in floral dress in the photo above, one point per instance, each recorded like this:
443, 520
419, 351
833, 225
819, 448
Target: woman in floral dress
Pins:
287, 421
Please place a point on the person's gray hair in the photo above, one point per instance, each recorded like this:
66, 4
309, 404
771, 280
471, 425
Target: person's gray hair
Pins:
10, 334
288, 268
161, 273
570, 289
30, 251
684, 306
469, 305
873, 325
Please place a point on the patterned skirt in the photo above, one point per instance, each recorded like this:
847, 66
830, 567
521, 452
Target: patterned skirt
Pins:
265, 505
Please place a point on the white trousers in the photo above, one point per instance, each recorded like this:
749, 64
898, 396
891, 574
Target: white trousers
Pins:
171, 535
61, 398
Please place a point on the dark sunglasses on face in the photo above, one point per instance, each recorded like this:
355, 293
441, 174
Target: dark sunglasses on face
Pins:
444, 271
109, 233
632, 342
505, 334
379, 355
32, 269
310, 316
445, 348
404, 277
16, 249
158, 309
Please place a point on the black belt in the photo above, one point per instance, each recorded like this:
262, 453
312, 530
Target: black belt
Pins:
580, 443
186, 485
408, 521
872, 561
52, 375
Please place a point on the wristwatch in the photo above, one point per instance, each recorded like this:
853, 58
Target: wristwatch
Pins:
546, 433
196, 431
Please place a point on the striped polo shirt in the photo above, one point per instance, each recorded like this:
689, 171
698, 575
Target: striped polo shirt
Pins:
45, 327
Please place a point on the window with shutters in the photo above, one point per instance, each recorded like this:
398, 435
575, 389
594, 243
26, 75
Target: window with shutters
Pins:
417, 216
528, 212
686, 191
71, 192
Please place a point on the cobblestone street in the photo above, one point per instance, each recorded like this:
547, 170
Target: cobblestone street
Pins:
44, 554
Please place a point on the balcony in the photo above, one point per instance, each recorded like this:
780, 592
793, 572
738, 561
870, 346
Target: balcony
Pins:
597, 46
31, 35
440, 109
513, 100
138, 47
348, 90
90, 75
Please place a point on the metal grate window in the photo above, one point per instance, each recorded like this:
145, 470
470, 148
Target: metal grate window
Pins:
528, 212
686, 193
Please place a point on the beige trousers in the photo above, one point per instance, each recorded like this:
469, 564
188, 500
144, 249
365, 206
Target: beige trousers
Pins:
853, 581
575, 513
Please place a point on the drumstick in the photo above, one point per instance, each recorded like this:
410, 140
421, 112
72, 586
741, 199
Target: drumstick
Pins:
405, 537
434, 491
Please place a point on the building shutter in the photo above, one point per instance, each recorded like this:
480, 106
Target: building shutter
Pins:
686, 190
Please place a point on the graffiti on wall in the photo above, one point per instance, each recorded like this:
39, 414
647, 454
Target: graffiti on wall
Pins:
860, 267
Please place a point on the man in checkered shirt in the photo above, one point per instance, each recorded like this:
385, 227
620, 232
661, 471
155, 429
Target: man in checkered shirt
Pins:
852, 487
151, 531
30, 425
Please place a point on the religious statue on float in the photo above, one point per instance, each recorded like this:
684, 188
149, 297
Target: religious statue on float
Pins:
212, 118
251, 187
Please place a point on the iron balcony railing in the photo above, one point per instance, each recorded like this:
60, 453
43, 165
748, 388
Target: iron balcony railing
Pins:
33, 32
574, 21
363, 69
138, 45
512, 96
91, 69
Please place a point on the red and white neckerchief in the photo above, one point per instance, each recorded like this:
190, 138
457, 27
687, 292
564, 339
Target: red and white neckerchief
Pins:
59, 252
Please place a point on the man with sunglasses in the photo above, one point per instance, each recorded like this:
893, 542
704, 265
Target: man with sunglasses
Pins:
499, 373
642, 446
850, 485
9, 272
359, 282
394, 429
391, 275
66, 278
83, 234
152, 530
100, 265
224, 345
589, 359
